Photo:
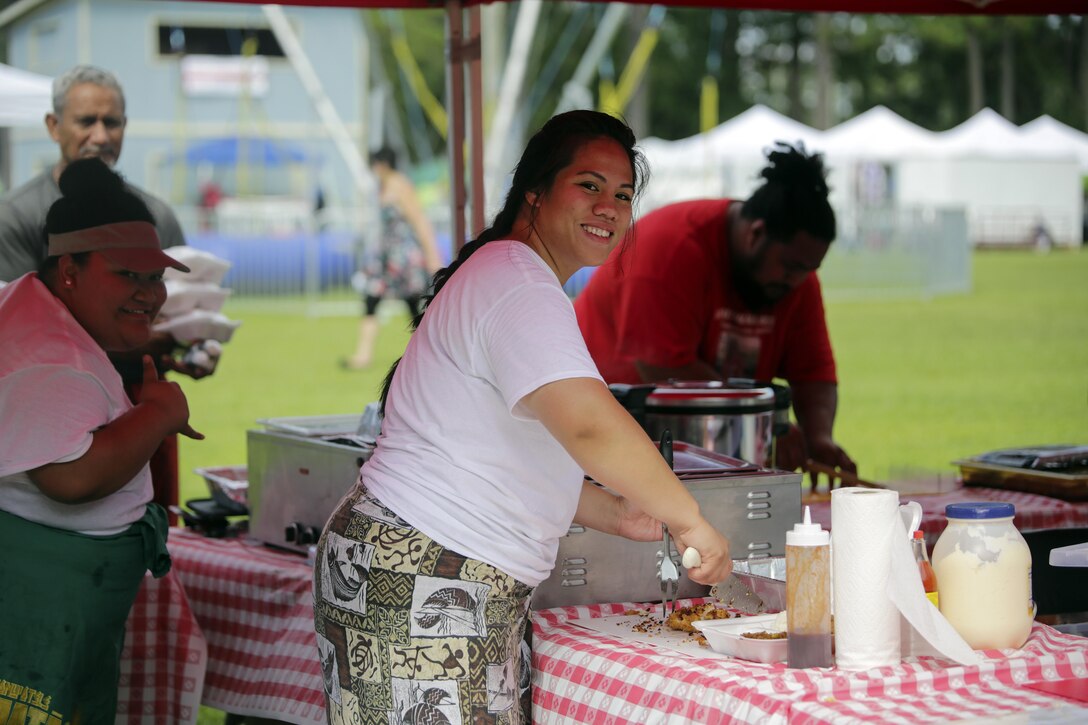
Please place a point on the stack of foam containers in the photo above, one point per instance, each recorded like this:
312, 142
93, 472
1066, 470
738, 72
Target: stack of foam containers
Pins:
194, 299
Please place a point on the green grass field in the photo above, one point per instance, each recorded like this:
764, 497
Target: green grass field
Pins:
922, 382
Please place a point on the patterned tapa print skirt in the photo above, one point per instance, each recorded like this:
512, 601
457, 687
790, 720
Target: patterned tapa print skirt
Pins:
411, 632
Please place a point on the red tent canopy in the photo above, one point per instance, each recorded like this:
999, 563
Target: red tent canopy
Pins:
897, 7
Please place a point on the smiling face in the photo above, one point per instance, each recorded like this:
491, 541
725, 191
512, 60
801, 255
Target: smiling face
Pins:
587, 210
114, 305
91, 124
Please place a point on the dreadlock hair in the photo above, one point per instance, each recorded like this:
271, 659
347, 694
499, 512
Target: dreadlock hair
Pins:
794, 196
549, 151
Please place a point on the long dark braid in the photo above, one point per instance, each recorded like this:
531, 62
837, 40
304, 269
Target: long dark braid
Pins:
549, 151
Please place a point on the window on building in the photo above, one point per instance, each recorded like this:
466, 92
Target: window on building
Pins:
205, 40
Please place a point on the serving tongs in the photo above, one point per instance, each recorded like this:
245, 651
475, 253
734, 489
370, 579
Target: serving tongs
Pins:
667, 574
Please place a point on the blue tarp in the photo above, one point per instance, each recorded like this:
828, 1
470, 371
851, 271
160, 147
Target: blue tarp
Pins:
252, 150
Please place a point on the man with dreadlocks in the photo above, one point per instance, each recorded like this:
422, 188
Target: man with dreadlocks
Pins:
717, 288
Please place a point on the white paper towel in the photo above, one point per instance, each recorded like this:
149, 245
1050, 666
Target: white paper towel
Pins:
866, 620
881, 610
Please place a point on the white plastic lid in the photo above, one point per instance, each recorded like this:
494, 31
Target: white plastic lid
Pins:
807, 533
1075, 555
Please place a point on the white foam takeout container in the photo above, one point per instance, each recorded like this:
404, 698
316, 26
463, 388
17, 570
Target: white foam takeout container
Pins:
726, 637
198, 325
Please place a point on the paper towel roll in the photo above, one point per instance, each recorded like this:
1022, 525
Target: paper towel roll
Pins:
866, 620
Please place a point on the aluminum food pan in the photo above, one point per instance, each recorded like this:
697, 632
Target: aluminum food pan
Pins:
756, 586
314, 425
229, 487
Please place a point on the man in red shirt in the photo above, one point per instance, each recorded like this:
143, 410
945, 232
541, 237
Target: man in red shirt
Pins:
713, 289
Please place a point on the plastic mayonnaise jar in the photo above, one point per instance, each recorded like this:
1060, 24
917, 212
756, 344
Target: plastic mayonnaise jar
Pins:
983, 568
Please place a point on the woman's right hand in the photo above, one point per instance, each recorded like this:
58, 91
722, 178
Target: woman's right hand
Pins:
168, 399
713, 549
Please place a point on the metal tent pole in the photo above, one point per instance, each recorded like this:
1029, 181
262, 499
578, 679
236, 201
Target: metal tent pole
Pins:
455, 84
476, 123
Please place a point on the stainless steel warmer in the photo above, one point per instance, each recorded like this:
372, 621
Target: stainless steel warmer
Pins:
751, 505
298, 472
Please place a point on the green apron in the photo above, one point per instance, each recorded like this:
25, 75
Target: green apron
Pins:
64, 600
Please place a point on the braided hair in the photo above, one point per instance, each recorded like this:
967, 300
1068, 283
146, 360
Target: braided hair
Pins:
794, 196
549, 151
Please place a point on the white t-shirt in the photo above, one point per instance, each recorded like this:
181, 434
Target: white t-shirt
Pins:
57, 387
457, 458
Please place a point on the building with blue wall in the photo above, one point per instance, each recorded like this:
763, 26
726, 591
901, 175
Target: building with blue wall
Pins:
175, 61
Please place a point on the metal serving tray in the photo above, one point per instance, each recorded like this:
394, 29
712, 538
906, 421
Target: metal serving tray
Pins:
314, 425
1013, 469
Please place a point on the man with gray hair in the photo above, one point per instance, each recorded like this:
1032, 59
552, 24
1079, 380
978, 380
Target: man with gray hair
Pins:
88, 119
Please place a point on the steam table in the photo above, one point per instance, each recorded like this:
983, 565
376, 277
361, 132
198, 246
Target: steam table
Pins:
231, 627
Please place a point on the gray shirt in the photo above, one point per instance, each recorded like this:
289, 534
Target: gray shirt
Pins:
22, 224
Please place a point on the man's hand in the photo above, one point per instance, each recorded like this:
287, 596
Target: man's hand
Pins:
792, 450
173, 364
828, 452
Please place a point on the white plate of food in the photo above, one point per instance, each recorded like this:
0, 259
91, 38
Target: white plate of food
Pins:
761, 638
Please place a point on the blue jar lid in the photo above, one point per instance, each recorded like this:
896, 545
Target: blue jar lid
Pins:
979, 510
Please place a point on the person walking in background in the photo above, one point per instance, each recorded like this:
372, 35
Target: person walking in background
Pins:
75, 488
492, 417
405, 257
717, 288
88, 121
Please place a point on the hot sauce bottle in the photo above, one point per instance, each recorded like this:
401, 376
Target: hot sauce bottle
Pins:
808, 595
929, 577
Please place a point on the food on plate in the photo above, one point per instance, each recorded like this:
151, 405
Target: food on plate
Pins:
681, 619
764, 635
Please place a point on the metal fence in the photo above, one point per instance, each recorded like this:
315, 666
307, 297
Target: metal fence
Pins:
890, 252
899, 252
282, 251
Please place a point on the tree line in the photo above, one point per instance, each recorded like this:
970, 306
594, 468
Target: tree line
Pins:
818, 68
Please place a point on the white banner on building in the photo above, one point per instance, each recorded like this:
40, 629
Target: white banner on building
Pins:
217, 75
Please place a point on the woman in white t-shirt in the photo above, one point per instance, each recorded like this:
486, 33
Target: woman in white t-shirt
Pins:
75, 490
492, 417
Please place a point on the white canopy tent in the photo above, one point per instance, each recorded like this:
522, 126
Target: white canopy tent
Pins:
1048, 130
25, 97
1009, 182
1007, 179
875, 155
724, 161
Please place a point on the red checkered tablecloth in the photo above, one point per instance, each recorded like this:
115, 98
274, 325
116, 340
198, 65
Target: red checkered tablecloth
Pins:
1033, 512
234, 618
164, 658
255, 607
586, 677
